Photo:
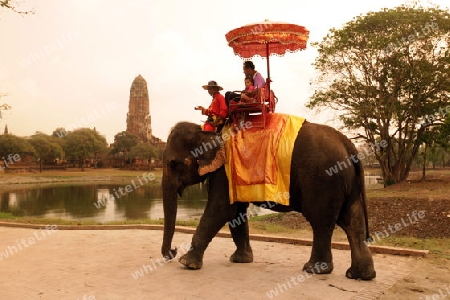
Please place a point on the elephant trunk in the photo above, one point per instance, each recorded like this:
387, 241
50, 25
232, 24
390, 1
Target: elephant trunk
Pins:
170, 214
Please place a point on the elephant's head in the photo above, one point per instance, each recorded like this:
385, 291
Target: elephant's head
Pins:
188, 150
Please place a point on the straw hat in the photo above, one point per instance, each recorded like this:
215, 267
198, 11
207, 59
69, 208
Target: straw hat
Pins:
212, 83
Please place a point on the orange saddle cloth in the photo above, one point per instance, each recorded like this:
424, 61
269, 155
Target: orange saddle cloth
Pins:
258, 161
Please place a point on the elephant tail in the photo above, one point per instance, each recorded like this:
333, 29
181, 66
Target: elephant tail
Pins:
360, 174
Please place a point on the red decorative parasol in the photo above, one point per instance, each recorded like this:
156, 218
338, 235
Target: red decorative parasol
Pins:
267, 38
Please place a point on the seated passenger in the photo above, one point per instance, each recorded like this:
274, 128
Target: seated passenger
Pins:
249, 94
249, 70
217, 111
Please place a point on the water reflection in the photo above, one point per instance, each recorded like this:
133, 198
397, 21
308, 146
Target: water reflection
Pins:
77, 202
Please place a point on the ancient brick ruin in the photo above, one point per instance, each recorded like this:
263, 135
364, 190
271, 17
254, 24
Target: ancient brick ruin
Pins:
138, 117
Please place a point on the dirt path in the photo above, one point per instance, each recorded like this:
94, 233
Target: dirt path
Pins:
109, 264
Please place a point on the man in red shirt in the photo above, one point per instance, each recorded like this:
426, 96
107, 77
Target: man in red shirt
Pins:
217, 111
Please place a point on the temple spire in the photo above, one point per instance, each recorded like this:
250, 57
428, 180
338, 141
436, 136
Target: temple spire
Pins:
138, 117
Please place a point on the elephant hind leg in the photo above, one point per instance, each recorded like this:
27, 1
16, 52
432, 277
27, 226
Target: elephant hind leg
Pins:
239, 231
321, 260
352, 221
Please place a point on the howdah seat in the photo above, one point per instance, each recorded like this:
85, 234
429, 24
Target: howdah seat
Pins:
264, 103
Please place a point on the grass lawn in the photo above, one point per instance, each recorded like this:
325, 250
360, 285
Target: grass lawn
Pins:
73, 173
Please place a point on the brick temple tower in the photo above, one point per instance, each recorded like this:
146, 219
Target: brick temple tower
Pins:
138, 117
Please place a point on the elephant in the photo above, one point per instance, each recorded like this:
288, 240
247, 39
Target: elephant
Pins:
324, 200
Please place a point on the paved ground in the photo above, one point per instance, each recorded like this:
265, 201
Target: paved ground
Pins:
105, 264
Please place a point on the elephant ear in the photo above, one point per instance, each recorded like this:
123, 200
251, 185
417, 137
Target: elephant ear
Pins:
210, 150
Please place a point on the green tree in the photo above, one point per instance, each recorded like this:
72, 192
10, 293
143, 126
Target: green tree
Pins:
124, 141
437, 156
60, 132
435, 139
47, 148
84, 143
13, 148
385, 73
144, 151
443, 138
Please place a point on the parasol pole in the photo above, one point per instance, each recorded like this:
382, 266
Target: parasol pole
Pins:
268, 67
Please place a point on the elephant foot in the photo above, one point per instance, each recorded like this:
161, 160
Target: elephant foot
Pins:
366, 274
191, 262
242, 256
171, 254
318, 267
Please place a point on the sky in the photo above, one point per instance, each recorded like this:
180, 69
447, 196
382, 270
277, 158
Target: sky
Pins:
72, 62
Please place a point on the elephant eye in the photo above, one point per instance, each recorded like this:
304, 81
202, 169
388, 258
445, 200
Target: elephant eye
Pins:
173, 163
176, 164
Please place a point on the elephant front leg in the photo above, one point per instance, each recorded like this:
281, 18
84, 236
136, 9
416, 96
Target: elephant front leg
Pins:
321, 260
239, 231
217, 212
210, 223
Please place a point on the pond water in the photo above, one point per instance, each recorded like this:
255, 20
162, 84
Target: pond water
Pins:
96, 202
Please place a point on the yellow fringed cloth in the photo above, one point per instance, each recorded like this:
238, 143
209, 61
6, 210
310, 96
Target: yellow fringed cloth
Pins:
258, 161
